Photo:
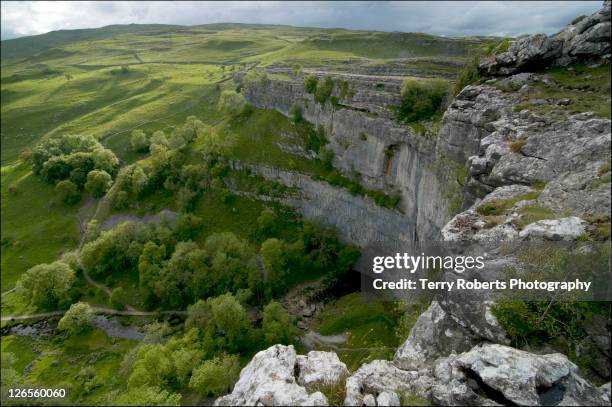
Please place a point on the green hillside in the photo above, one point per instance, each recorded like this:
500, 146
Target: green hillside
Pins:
118, 123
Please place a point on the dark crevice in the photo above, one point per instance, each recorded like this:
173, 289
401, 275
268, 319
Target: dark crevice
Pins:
551, 395
484, 390
389, 155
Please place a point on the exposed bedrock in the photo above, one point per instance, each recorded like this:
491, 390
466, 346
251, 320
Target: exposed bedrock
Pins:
387, 156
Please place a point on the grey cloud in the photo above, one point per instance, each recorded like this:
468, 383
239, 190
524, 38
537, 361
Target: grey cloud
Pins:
443, 18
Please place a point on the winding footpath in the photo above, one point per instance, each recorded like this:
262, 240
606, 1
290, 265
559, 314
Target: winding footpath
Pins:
97, 310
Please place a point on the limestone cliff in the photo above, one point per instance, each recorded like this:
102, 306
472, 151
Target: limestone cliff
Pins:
554, 160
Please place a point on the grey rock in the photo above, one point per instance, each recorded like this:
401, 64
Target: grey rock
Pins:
507, 375
554, 229
369, 400
269, 378
320, 367
381, 376
388, 398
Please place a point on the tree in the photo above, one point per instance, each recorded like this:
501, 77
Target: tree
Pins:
230, 319
68, 192
231, 102
266, 223
98, 182
216, 376
274, 259
310, 83
421, 99
183, 276
199, 315
277, 325
139, 141
118, 298
106, 160
148, 396
47, 285
152, 367
324, 90
232, 264
188, 226
121, 200
159, 139
77, 319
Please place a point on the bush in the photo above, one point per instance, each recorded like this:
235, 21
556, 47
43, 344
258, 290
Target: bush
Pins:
277, 325
310, 84
139, 141
324, 90
421, 99
467, 76
231, 103
118, 298
216, 376
68, 192
47, 285
77, 319
98, 182
296, 113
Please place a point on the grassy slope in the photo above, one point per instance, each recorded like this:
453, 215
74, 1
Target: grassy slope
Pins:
77, 86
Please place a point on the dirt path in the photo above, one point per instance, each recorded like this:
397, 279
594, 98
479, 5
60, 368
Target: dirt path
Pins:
97, 310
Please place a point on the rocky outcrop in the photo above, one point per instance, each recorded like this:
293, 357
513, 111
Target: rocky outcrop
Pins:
500, 375
320, 368
484, 375
274, 378
585, 40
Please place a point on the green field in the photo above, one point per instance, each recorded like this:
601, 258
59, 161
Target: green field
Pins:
111, 81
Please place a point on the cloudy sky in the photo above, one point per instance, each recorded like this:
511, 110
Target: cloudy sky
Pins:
20, 18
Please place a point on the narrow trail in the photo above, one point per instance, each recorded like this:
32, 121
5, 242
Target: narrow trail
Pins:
97, 310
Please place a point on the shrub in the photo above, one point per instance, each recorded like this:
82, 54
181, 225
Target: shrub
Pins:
231, 102
517, 145
421, 99
467, 76
47, 285
296, 113
98, 182
77, 319
139, 141
216, 376
310, 84
68, 192
118, 298
277, 325
324, 90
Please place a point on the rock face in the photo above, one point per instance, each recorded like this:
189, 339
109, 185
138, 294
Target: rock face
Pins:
270, 379
528, 177
586, 39
320, 368
382, 378
366, 139
496, 374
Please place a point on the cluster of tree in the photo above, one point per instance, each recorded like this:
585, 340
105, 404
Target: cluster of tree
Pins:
321, 89
173, 272
168, 171
180, 136
315, 252
74, 163
205, 359
49, 285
